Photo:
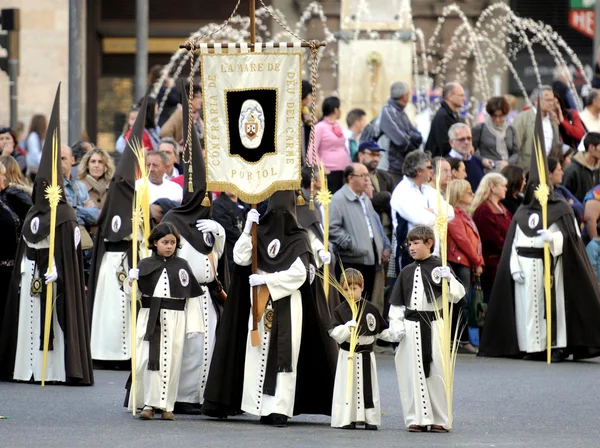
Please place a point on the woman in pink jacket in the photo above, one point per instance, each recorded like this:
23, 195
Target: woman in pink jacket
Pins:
330, 144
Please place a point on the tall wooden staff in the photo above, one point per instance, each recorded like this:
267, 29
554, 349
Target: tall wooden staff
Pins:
53, 192
324, 198
448, 348
542, 192
141, 211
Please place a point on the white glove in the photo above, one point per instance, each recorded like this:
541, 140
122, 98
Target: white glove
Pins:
252, 218
51, 276
518, 277
325, 256
351, 323
258, 279
398, 335
445, 272
545, 235
207, 226
193, 335
134, 274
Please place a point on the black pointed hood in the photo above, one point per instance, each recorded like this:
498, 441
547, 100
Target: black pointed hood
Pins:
529, 214
280, 238
116, 216
185, 216
36, 226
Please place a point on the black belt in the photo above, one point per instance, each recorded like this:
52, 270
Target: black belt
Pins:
424, 318
538, 253
119, 246
152, 329
279, 358
365, 352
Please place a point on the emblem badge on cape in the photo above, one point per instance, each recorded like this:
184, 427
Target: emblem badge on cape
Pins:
209, 240
371, 322
312, 271
116, 223
436, 275
77, 233
184, 277
251, 124
534, 220
35, 225
36, 286
273, 248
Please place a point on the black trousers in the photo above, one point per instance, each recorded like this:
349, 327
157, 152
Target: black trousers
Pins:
368, 272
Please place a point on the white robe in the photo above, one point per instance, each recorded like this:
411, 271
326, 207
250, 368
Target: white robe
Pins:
344, 411
111, 316
197, 352
530, 302
281, 284
423, 399
29, 357
158, 388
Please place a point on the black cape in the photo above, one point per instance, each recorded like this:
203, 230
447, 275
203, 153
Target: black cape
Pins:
70, 306
343, 314
581, 291
316, 363
402, 292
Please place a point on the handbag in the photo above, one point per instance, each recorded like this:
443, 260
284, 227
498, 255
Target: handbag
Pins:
86, 239
477, 307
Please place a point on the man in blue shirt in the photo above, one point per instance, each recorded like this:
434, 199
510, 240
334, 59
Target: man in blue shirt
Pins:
76, 193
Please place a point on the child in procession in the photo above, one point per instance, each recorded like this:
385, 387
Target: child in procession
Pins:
357, 402
416, 308
170, 311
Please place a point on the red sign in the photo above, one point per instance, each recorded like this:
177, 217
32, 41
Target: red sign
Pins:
583, 20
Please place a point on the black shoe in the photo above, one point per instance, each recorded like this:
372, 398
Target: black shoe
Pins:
556, 356
370, 427
278, 420
182, 407
350, 426
266, 420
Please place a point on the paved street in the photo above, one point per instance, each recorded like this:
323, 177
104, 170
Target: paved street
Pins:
498, 403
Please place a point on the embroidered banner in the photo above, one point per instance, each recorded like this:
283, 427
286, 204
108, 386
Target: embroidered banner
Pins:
252, 118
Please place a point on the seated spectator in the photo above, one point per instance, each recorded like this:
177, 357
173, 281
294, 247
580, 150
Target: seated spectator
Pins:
492, 220
10, 147
457, 168
171, 148
330, 144
156, 163
461, 143
495, 139
556, 177
584, 172
515, 178
95, 171
356, 121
